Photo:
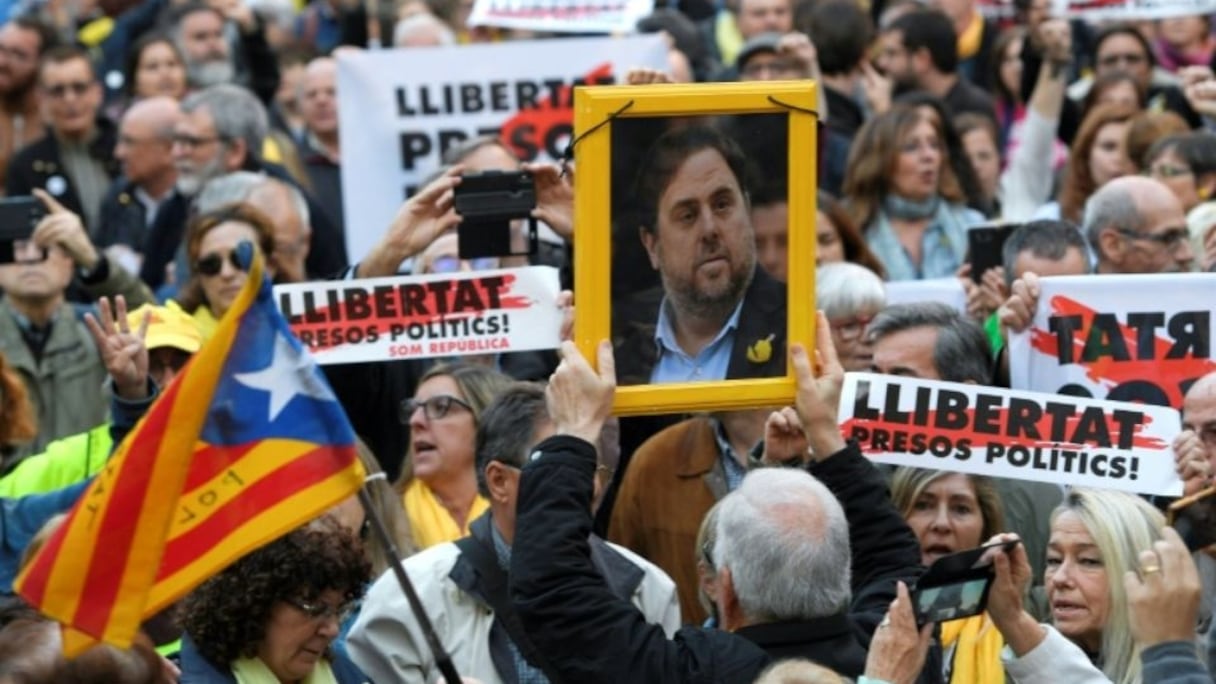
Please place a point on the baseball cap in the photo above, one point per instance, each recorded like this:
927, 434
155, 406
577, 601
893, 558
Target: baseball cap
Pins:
168, 326
765, 42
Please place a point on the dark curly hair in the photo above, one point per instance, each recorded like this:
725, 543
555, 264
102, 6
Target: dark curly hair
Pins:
226, 616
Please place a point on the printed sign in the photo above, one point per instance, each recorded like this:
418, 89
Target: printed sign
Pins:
565, 16
944, 290
400, 110
1143, 338
1005, 433
418, 317
1117, 10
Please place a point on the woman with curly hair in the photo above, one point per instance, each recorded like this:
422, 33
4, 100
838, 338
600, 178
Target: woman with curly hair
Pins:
270, 617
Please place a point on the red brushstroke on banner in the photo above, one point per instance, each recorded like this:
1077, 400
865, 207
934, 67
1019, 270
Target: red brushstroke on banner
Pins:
1108, 372
537, 122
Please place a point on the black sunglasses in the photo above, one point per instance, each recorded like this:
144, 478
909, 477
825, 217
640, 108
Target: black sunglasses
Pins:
212, 264
433, 408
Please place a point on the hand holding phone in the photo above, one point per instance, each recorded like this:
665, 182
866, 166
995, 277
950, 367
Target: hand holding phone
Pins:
18, 218
957, 586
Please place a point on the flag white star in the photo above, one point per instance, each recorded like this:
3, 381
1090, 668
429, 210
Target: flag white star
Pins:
289, 374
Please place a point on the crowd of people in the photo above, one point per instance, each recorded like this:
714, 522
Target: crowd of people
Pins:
548, 541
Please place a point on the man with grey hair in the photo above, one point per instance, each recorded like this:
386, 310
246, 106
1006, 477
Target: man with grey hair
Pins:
463, 585
1136, 225
422, 30
591, 636
282, 202
933, 341
204, 35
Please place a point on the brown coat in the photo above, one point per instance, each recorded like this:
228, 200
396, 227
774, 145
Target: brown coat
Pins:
673, 480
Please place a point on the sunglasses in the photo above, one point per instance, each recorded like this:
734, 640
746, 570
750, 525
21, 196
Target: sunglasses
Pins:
212, 264
433, 408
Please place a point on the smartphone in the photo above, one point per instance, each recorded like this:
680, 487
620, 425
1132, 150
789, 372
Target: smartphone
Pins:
487, 203
1194, 518
18, 218
986, 245
956, 586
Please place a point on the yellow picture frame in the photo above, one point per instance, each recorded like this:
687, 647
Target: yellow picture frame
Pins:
595, 108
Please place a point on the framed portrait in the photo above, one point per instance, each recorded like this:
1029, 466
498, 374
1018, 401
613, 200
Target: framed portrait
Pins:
695, 239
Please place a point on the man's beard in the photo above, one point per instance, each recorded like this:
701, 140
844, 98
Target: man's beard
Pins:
211, 72
18, 92
687, 298
189, 183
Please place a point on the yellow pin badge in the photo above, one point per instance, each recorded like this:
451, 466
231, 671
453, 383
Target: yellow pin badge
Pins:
761, 351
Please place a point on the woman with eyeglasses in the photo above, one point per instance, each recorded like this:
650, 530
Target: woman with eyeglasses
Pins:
438, 484
851, 296
272, 616
216, 275
904, 192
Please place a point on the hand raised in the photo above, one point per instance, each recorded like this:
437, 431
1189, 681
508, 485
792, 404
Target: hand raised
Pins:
122, 351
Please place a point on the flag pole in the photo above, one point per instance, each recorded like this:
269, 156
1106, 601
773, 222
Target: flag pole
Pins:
442, 660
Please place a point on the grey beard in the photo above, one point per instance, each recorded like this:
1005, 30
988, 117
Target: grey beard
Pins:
211, 73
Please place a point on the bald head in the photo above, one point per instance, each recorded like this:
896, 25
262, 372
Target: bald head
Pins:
292, 232
1199, 412
1137, 225
145, 144
319, 99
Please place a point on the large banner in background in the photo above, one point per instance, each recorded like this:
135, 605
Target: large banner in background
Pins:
1139, 338
563, 16
418, 317
1005, 433
399, 110
947, 291
1128, 10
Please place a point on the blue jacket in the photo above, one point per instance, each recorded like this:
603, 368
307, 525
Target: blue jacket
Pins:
20, 520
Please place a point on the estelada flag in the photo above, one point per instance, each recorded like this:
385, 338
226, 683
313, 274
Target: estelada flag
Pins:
246, 444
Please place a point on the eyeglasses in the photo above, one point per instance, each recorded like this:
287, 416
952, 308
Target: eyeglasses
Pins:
451, 264
1169, 171
320, 610
1128, 58
59, 90
1170, 239
434, 408
212, 264
192, 141
851, 328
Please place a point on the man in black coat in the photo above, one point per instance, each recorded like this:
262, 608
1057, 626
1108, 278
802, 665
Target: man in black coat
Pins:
777, 593
74, 162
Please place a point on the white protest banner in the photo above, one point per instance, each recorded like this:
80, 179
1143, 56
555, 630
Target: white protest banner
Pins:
1006, 433
563, 16
1128, 10
1121, 337
418, 317
399, 110
945, 290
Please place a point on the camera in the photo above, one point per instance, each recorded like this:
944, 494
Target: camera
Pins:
487, 203
18, 218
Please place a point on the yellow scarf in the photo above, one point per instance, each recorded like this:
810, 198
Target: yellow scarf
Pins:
206, 321
977, 650
430, 522
970, 39
727, 36
254, 671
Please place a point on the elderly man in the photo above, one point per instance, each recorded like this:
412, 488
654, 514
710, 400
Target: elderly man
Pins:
695, 225
148, 181
74, 162
785, 544
1136, 225
199, 30
463, 585
322, 151
23, 41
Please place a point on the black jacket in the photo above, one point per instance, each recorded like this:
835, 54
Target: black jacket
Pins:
39, 162
593, 636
